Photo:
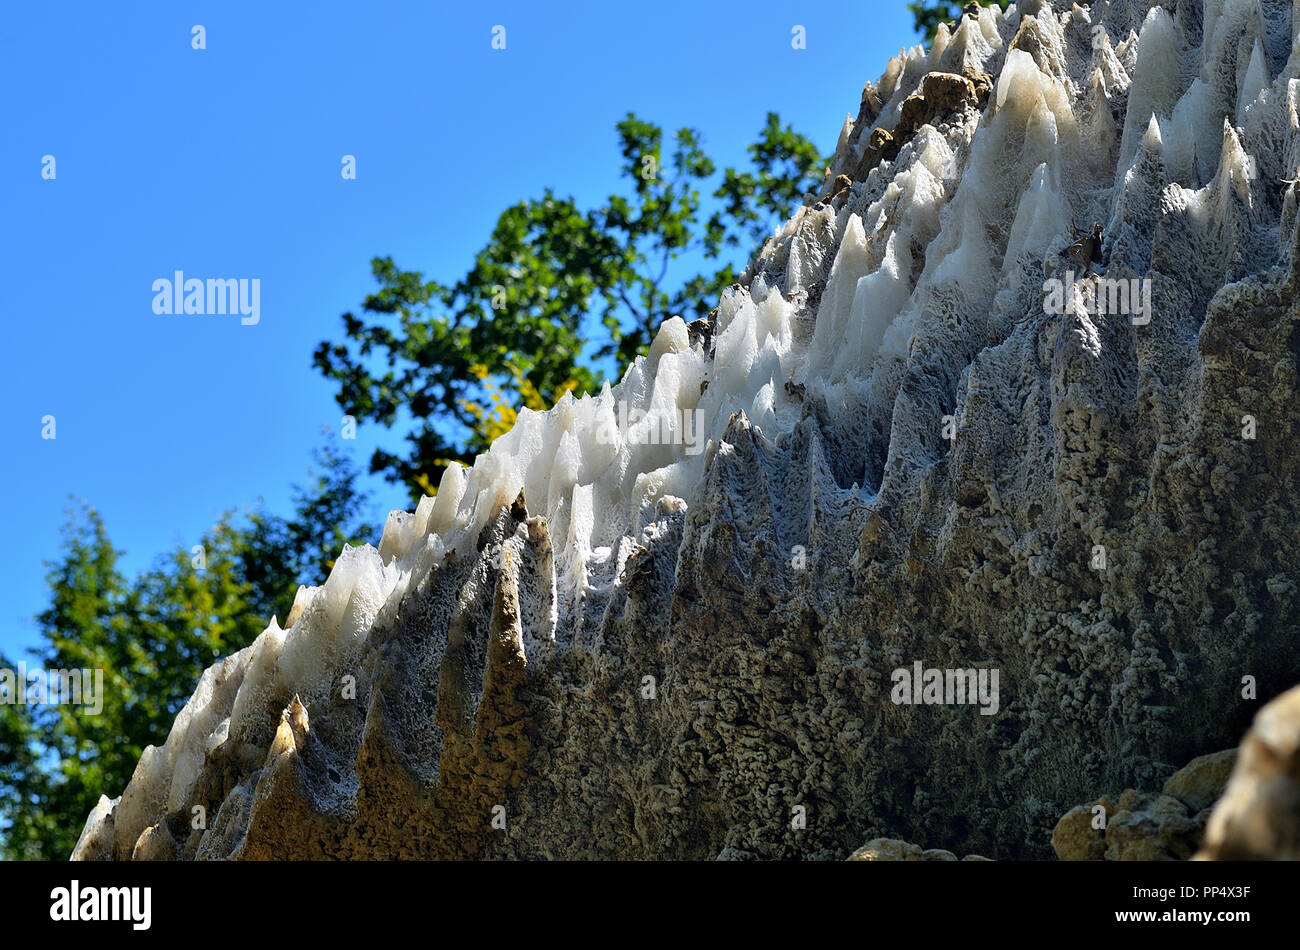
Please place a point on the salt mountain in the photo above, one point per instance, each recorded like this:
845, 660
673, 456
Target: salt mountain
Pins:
611, 648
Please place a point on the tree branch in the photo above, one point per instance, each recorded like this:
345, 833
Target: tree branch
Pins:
627, 303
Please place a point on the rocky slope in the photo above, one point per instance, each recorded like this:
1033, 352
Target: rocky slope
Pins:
596, 643
1235, 805
1258, 817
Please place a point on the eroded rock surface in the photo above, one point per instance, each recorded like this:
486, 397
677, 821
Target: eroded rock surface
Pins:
882, 449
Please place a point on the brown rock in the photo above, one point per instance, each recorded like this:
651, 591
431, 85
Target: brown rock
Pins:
1075, 839
881, 146
982, 82
156, 844
887, 849
895, 849
1153, 828
947, 92
1258, 817
1199, 784
914, 114
1138, 827
868, 109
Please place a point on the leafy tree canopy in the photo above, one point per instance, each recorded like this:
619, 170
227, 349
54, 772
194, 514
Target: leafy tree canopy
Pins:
557, 291
152, 636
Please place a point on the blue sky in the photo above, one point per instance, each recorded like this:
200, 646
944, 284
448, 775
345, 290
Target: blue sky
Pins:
225, 162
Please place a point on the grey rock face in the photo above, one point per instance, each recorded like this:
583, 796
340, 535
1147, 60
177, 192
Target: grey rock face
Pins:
660, 654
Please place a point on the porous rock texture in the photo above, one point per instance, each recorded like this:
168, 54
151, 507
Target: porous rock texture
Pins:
599, 644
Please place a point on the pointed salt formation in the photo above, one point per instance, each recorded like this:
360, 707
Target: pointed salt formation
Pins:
1236, 173
1098, 133
1218, 21
1291, 68
642, 604
1253, 83
942, 39
1185, 139
887, 85
1043, 39
291, 734
1126, 51
973, 45
851, 264
1042, 217
843, 159
1108, 71
1137, 205
1155, 88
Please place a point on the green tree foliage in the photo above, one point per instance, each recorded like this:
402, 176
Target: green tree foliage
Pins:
928, 14
557, 291
21, 783
152, 635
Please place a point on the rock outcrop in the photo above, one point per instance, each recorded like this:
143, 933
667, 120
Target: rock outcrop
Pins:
669, 620
891, 849
1258, 817
1235, 805
1140, 826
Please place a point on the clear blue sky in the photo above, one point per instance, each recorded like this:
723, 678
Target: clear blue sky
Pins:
225, 163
